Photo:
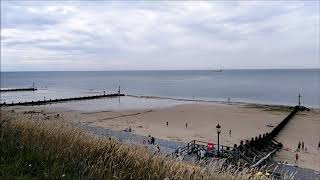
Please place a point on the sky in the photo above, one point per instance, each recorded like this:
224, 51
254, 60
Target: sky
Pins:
159, 35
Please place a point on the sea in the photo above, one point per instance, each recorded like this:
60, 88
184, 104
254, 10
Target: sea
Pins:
263, 86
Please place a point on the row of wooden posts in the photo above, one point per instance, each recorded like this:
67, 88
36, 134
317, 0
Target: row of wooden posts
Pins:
275, 131
18, 89
32, 88
49, 101
259, 149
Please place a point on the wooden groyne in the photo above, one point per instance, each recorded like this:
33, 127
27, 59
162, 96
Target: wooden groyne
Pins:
49, 101
18, 89
284, 122
259, 150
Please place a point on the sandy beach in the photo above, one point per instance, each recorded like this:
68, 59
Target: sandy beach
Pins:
201, 118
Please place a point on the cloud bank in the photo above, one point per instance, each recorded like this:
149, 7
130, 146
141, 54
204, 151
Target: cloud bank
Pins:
159, 35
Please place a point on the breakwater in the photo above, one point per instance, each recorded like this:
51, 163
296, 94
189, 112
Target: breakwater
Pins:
258, 150
18, 89
49, 101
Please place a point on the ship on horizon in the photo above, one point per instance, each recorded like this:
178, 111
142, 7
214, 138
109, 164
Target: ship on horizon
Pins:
217, 70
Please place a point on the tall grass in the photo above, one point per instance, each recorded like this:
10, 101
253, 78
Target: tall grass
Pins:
38, 149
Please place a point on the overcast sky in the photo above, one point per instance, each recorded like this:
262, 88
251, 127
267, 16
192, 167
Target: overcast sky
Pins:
101, 35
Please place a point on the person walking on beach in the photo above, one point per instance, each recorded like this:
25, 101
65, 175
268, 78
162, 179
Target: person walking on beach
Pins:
297, 157
202, 153
198, 155
149, 139
230, 132
319, 145
186, 125
167, 123
152, 140
302, 145
299, 145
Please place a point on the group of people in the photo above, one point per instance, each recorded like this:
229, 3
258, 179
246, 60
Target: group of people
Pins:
201, 153
128, 130
301, 147
151, 140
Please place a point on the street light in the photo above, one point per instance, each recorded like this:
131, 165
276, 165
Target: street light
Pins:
218, 132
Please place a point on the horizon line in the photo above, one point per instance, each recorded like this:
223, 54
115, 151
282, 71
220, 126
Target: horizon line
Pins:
165, 70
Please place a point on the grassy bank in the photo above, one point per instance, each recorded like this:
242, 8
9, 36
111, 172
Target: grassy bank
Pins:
37, 149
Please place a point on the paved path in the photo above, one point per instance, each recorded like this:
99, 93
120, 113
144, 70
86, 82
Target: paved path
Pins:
166, 147
300, 173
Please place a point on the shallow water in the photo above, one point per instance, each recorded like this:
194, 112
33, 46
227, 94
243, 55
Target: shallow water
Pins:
116, 103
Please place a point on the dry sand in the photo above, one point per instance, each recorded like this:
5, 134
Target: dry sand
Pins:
202, 119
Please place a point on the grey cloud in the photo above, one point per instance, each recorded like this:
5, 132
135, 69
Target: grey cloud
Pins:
160, 35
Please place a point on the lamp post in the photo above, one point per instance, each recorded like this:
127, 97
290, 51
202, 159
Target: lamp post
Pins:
218, 132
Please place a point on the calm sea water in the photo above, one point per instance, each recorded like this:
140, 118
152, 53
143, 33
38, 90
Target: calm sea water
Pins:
258, 86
